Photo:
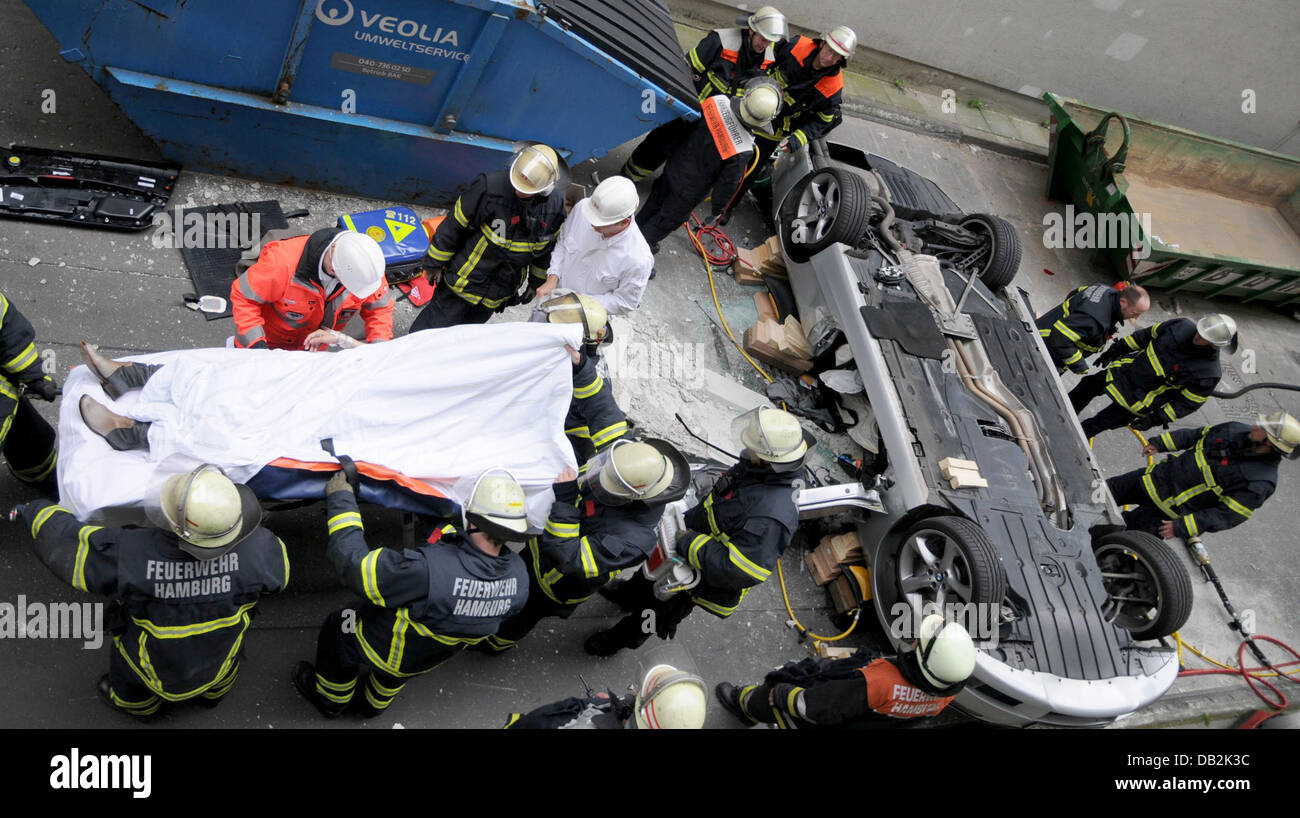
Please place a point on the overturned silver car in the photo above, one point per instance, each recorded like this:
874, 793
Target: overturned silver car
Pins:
988, 492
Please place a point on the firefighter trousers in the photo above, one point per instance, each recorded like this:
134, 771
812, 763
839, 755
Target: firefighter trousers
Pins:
446, 309
29, 448
1128, 490
129, 693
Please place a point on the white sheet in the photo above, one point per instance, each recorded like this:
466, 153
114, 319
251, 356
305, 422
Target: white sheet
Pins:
436, 405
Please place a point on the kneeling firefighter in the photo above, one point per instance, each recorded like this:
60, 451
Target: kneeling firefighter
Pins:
734, 537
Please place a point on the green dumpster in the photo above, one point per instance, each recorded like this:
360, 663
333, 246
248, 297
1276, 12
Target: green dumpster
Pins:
1203, 215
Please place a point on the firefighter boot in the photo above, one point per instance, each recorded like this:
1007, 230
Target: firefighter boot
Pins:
122, 433
304, 679
626, 634
732, 699
117, 377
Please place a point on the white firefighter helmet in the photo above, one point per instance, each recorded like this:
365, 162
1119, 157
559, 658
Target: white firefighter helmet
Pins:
651, 471
768, 22
575, 308
496, 506
1283, 432
358, 263
945, 653
761, 102
535, 169
208, 512
842, 40
613, 200
1220, 330
670, 699
773, 435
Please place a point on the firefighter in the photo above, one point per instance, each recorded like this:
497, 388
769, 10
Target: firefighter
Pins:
601, 252
1222, 475
182, 594
713, 156
302, 292
1158, 374
721, 63
809, 72
600, 523
595, 419
494, 249
861, 690
735, 535
26, 439
1085, 321
668, 698
421, 606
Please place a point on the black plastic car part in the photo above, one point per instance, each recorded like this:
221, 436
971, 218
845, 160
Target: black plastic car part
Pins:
84, 188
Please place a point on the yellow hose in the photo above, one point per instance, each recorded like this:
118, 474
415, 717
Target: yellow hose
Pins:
857, 614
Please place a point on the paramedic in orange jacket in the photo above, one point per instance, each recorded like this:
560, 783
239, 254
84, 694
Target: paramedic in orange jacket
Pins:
303, 291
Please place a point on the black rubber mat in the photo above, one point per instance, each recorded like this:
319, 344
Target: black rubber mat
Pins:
910, 323
212, 267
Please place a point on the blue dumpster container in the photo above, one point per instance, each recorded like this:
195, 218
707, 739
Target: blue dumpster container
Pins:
404, 100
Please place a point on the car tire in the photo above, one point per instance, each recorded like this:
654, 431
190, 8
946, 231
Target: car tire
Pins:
1004, 260
826, 206
1156, 585
969, 565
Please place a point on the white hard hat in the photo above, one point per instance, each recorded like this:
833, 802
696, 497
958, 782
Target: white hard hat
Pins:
670, 699
945, 653
575, 308
774, 435
496, 505
208, 512
651, 471
1283, 431
760, 104
612, 201
842, 41
535, 169
1220, 330
769, 22
358, 263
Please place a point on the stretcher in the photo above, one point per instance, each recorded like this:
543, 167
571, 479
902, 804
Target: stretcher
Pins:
417, 414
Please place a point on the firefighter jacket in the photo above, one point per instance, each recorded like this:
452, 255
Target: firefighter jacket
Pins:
1080, 326
697, 166
876, 693
593, 414
182, 620
20, 364
446, 593
722, 62
1165, 375
596, 712
742, 528
279, 301
811, 98
586, 544
1215, 483
495, 242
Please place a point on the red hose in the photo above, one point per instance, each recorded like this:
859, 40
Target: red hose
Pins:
723, 251
1249, 672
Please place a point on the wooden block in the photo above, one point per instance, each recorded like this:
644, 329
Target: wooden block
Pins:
760, 342
821, 572
794, 340
842, 596
967, 480
948, 464
773, 247
746, 278
834, 652
844, 547
763, 303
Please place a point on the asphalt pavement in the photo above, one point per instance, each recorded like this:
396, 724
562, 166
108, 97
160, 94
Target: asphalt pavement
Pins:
120, 291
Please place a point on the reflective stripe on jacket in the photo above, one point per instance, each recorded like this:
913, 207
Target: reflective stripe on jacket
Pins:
1080, 325
1166, 375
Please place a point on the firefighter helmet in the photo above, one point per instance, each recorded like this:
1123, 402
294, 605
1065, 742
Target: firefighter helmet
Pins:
496, 506
651, 471
208, 512
575, 308
535, 169
945, 653
761, 102
358, 263
1220, 330
1283, 431
670, 699
773, 435
842, 40
768, 22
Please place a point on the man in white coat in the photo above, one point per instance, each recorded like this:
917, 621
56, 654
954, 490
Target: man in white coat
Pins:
601, 252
